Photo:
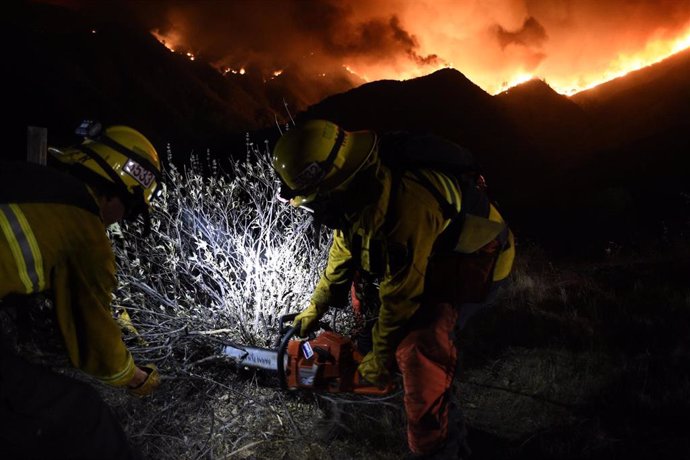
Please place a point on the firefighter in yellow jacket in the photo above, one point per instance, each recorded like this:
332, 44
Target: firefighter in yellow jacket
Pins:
434, 266
53, 245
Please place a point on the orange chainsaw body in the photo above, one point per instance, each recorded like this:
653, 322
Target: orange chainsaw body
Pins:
327, 363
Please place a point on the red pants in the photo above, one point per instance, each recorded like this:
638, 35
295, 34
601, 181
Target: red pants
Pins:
427, 358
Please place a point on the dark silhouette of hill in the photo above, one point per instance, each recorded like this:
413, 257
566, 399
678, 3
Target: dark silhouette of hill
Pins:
63, 67
587, 166
640, 160
642, 103
445, 103
559, 127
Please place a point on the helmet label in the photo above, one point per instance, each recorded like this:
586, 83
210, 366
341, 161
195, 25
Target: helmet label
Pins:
140, 174
309, 176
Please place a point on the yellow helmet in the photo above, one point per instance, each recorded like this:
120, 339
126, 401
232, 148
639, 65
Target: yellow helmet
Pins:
319, 157
119, 157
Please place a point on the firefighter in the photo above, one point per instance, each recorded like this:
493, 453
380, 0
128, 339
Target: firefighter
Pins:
432, 269
57, 276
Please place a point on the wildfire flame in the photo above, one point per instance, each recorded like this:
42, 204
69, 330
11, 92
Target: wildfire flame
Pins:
567, 83
624, 63
655, 51
169, 40
174, 42
517, 80
227, 70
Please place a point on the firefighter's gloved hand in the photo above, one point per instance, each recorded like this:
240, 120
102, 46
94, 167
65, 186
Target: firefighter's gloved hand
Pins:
125, 322
308, 319
373, 369
148, 386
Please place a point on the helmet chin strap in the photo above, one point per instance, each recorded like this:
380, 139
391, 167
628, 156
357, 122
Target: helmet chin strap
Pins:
146, 216
316, 237
136, 206
146, 220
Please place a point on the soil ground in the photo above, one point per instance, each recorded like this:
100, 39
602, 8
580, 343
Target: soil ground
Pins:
581, 361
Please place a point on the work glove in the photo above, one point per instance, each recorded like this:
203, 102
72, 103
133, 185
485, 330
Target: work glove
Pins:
373, 369
308, 319
153, 380
125, 322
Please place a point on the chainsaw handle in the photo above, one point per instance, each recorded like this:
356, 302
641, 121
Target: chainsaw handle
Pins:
288, 334
283, 319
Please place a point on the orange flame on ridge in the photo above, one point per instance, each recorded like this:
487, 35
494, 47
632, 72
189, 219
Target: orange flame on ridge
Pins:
655, 51
567, 83
552, 71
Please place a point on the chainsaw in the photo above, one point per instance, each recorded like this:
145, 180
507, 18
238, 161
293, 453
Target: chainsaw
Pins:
326, 362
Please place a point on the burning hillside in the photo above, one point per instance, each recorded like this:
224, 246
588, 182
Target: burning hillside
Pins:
572, 45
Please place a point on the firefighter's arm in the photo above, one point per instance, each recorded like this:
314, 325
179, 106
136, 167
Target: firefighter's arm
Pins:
400, 298
83, 292
332, 287
409, 246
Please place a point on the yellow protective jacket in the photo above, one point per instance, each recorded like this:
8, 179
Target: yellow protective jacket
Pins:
397, 251
52, 240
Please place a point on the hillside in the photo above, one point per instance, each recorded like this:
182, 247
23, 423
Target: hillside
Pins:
64, 67
553, 122
444, 102
561, 167
642, 103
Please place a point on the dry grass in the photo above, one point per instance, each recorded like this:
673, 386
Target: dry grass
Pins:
581, 360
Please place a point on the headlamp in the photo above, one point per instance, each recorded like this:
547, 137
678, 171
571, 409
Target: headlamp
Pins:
89, 129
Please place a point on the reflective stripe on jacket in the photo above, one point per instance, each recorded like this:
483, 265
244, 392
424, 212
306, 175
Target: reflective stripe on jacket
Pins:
24, 249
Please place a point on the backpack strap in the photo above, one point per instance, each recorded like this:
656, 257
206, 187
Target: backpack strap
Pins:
447, 238
474, 201
396, 179
449, 211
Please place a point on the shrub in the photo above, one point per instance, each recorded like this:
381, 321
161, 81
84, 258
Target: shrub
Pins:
224, 257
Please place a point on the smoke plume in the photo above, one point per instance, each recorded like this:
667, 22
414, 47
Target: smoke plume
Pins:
569, 43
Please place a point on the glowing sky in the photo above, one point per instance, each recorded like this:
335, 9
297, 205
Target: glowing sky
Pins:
571, 44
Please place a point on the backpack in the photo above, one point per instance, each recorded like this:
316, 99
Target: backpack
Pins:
462, 262
405, 151
410, 151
